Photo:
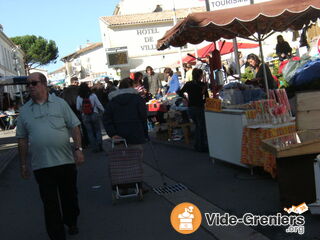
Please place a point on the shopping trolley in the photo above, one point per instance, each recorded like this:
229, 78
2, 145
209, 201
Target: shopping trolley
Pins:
125, 170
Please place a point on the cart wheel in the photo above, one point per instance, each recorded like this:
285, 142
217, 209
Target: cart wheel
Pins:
140, 194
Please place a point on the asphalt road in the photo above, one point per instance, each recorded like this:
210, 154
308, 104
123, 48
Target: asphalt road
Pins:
227, 187
21, 216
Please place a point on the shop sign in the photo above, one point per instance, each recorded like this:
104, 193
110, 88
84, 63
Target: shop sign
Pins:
222, 4
148, 38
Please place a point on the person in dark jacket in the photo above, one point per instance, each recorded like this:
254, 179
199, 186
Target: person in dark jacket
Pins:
283, 48
197, 93
125, 115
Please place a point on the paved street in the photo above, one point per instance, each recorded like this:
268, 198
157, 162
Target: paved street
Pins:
213, 187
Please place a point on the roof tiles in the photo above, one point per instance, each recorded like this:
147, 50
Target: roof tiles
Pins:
154, 17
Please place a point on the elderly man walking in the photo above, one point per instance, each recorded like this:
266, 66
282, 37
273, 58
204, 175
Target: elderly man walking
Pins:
44, 123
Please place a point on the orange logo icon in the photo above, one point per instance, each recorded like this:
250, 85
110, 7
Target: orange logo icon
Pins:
186, 218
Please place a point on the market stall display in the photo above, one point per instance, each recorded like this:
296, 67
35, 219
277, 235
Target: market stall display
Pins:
257, 22
170, 113
235, 135
252, 152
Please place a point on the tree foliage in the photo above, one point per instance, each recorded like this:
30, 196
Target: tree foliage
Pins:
38, 50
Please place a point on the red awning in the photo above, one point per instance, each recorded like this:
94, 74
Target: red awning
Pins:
261, 18
227, 47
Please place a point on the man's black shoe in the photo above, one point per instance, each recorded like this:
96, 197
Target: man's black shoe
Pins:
73, 230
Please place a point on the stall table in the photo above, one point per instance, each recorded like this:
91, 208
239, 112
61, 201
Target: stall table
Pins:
224, 131
295, 154
232, 141
252, 152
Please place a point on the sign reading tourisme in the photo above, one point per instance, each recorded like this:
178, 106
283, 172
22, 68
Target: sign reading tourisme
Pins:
222, 4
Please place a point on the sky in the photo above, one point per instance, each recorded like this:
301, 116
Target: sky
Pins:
70, 23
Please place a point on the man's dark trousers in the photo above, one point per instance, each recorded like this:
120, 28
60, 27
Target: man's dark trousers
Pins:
58, 191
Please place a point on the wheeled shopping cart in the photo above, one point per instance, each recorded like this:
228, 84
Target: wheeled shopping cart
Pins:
125, 170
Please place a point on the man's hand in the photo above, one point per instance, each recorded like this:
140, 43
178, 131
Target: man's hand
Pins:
78, 157
25, 173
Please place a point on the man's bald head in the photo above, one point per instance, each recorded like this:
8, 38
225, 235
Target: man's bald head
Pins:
37, 87
38, 76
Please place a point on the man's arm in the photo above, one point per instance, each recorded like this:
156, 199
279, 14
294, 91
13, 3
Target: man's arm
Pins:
76, 136
108, 123
23, 154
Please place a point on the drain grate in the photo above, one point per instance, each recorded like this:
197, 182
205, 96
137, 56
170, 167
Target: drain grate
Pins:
170, 189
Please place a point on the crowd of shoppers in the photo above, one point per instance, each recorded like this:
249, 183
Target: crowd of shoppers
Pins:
46, 121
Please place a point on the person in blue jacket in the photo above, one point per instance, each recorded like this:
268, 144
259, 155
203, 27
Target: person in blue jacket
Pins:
173, 81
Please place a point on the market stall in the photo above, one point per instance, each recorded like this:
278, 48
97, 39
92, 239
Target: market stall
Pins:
169, 113
235, 135
228, 130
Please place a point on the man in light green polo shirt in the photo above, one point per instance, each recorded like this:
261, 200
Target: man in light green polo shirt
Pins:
45, 122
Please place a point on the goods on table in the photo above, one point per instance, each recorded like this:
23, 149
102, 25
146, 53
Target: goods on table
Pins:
274, 110
213, 104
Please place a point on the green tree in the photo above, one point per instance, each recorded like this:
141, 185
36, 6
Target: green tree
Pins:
38, 50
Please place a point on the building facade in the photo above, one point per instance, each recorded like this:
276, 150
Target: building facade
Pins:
11, 57
87, 64
11, 64
137, 35
57, 77
136, 26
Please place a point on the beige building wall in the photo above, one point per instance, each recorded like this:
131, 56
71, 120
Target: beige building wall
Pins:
11, 57
140, 33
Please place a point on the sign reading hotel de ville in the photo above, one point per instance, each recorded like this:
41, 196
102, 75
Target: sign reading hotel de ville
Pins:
148, 38
222, 4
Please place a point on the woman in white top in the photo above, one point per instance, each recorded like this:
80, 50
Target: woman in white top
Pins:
89, 106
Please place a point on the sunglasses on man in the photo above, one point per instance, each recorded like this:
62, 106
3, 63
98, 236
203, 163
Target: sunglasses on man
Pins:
33, 83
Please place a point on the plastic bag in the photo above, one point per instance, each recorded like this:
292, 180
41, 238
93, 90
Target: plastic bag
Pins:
308, 73
232, 96
291, 67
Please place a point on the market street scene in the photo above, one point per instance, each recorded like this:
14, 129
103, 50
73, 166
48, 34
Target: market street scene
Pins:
165, 119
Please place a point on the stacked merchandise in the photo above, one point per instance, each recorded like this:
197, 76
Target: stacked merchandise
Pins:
275, 110
266, 119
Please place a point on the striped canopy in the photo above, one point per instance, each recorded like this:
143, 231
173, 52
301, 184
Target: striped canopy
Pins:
262, 18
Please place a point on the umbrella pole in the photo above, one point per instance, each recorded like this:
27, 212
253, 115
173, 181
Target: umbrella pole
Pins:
264, 67
236, 56
180, 53
181, 65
